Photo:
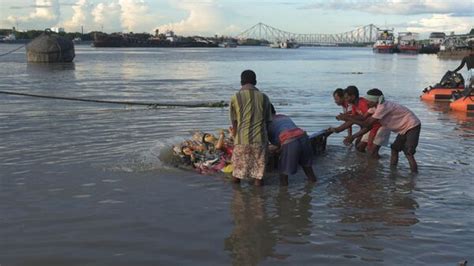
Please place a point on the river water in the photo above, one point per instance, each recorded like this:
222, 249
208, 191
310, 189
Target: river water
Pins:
88, 183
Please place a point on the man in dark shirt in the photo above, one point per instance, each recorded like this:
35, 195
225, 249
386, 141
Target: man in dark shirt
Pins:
469, 62
293, 145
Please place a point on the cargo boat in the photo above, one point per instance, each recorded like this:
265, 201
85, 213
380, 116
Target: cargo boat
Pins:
408, 43
385, 42
143, 40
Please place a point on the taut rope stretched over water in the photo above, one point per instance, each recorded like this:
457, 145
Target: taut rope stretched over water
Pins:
18, 48
149, 104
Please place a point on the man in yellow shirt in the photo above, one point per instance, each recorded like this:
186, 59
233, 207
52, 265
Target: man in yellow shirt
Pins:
250, 114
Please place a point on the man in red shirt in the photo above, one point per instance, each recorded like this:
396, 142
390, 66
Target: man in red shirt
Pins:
340, 100
371, 140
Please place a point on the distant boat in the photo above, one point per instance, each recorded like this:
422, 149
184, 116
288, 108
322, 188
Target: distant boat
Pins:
385, 42
112, 40
408, 43
288, 44
229, 44
141, 40
437, 38
454, 47
435, 41
9, 38
77, 40
274, 45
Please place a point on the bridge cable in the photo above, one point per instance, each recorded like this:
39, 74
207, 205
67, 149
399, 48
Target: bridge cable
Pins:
149, 104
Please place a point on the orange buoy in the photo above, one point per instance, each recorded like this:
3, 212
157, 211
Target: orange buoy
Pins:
463, 104
439, 94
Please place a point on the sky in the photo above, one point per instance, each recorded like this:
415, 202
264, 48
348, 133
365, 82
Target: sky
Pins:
231, 17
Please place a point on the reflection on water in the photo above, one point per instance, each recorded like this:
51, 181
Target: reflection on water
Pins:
263, 221
463, 122
465, 125
363, 210
38, 68
372, 199
293, 218
252, 238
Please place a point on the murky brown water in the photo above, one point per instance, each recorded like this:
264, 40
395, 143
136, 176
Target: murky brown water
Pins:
82, 183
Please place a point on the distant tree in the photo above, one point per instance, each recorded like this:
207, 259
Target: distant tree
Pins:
5, 31
187, 39
31, 34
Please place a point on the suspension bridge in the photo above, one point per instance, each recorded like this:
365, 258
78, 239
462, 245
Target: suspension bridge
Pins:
359, 36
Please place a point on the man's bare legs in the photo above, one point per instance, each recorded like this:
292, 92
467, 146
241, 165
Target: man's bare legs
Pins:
412, 162
410, 158
394, 158
235, 180
361, 146
308, 170
283, 180
374, 151
258, 182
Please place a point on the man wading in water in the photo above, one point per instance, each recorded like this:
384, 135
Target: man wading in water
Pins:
372, 139
396, 118
293, 146
250, 114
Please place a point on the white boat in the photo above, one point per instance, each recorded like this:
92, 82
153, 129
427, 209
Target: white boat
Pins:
9, 38
77, 40
228, 44
288, 44
275, 45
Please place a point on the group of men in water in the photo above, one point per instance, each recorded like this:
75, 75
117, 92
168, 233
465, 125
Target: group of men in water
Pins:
258, 130
255, 123
378, 117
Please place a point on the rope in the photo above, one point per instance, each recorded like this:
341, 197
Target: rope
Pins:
16, 49
149, 104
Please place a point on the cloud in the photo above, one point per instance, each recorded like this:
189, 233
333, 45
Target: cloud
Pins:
136, 15
115, 16
107, 17
440, 22
204, 18
67, 4
46, 9
46, 12
232, 30
82, 16
399, 7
